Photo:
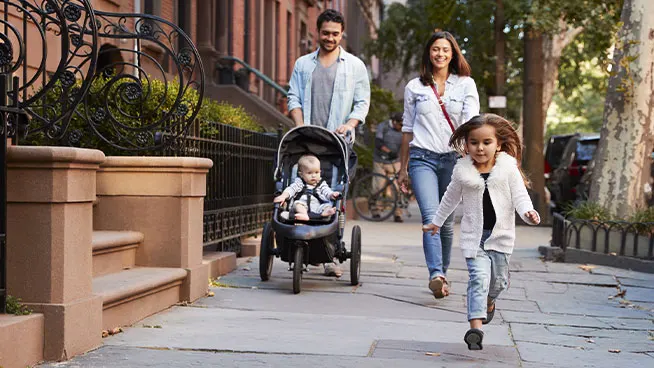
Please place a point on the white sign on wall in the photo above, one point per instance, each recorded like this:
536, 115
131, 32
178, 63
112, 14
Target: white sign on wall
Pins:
497, 102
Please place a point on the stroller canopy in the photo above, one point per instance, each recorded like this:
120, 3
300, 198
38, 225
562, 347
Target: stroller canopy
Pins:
312, 139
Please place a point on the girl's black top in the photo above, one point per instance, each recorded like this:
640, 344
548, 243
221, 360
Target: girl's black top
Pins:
489, 210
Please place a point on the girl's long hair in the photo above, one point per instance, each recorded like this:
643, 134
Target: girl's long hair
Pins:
458, 65
507, 137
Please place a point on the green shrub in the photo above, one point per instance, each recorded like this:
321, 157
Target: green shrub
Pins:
228, 114
643, 216
588, 211
132, 104
15, 307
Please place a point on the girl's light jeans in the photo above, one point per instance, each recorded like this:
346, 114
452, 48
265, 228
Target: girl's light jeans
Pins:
488, 277
430, 174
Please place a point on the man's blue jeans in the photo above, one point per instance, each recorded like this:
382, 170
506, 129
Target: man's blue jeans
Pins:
488, 276
430, 174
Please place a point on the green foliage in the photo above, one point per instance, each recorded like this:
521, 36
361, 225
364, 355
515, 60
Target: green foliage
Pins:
154, 102
15, 307
588, 211
382, 104
364, 156
593, 211
226, 113
404, 30
644, 215
581, 108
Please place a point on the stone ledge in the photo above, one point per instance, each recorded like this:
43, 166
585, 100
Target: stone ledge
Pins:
103, 239
21, 340
250, 246
46, 154
220, 263
147, 163
573, 255
128, 285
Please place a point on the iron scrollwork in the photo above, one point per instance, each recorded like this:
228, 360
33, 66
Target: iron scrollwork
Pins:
68, 24
133, 103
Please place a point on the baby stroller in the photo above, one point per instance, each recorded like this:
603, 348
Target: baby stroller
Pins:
318, 240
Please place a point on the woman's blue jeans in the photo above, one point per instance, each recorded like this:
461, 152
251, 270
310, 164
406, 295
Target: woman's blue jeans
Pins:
430, 174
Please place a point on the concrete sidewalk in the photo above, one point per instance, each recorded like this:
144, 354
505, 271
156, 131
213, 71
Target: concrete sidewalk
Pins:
553, 315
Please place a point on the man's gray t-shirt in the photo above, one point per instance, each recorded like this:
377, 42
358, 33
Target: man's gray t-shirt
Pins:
391, 138
322, 89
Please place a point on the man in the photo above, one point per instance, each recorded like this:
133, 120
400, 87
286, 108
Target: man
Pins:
330, 88
386, 159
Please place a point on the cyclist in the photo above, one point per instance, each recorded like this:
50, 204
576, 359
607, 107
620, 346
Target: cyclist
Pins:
386, 160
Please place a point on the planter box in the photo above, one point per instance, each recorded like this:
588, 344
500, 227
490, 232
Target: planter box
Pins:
635, 245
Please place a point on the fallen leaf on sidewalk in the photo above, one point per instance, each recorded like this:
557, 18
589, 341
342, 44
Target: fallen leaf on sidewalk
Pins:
616, 351
613, 254
590, 341
586, 268
211, 293
245, 268
433, 354
105, 333
621, 294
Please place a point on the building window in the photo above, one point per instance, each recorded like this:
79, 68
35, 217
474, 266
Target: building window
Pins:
152, 7
183, 20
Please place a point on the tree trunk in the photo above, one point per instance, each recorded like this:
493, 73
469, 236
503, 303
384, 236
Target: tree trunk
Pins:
621, 168
533, 117
553, 46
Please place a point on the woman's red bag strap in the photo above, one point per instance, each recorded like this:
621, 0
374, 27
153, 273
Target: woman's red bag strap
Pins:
440, 102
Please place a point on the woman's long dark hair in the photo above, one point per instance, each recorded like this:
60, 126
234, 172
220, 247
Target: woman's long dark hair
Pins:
458, 64
506, 136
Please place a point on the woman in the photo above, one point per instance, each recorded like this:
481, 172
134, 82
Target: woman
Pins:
425, 154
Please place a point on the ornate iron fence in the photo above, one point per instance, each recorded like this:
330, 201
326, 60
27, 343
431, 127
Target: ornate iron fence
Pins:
240, 184
81, 93
633, 239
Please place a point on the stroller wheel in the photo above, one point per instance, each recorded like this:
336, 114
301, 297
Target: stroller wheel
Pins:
355, 258
266, 256
298, 266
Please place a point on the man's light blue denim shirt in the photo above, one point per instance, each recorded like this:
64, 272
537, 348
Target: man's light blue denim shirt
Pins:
351, 96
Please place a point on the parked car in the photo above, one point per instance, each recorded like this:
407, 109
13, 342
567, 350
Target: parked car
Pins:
564, 180
553, 153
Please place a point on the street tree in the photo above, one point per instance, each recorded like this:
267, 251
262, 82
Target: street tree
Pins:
622, 158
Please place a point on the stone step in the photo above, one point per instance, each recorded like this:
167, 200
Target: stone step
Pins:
114, 251
27, 331
220, 263
131, 295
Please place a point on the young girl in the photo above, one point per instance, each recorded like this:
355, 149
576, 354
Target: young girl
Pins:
491, 185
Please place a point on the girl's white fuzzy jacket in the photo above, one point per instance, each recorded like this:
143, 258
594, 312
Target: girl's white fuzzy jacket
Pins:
507, 192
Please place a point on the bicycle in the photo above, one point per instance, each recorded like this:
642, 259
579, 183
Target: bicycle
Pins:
380, 204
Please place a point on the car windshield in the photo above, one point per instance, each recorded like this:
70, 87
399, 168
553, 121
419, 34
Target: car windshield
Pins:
585, 150
555, 151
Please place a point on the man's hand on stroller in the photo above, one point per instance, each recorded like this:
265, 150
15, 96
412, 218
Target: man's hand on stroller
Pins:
281, 198
350, 125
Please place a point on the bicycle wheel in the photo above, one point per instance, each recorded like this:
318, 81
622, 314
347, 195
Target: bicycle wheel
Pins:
374, 197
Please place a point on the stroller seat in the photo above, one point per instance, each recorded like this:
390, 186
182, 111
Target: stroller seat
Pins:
330, 174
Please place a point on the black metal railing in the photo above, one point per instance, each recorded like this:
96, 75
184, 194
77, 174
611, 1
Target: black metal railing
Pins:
272, 92
240, 184
632, 239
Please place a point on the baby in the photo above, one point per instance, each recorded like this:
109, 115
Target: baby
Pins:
312, 194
